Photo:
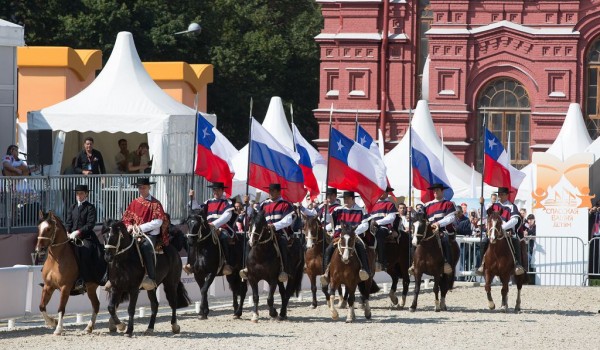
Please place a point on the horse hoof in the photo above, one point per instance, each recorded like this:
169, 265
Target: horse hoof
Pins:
313, 307
254, 317
282, 318
254, 321
149, 331
412, 309
128, 335
517, 310
492, 306
88, 330
335, 316
57, 333
175, 328
349, 320
368, 315
121, 327
202, 317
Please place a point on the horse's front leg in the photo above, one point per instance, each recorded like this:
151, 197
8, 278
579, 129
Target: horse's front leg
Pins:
313, 289
351, 315
271, 299
204, 296
46, 295
436, 292
64, 297
91, 292
488, 289
504, 292
154, 311
331, 302
444, 287
254, 286
405, 285
418, 276
113, 321
285, 299
133, 296
241, 292
392, 293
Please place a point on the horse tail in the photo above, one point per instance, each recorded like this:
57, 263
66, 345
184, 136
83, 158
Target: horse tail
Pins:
299, 274
183, 300
374, 287
122, 296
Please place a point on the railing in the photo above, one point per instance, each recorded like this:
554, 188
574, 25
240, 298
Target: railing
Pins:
22, 197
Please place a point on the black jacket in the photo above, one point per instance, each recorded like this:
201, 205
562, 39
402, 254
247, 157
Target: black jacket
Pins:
96, 163
83, 219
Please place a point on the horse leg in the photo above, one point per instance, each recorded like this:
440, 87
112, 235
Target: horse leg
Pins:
133, 296
204, 296
436, 292
392, 293
504, 292
405, 285
242, 290
113, 321
285, 299
331, 302
519, 285
413, 307
343, 303
271, 300
365, 289
154, 311
488, 289
46, 295
91, 292
313, 289
444, 287
254, 285
64, 297
351, 315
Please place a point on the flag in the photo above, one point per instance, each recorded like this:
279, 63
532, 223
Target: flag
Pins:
309, 157
498, 171
365, 140
271, 162
352, 167
427, 169
215, 152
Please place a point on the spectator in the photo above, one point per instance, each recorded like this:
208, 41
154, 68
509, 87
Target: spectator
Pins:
12, 165
529, 231
122, 158
403, 224
89, 161
594, 236
465, 208
138, 159
463, 224
523, 213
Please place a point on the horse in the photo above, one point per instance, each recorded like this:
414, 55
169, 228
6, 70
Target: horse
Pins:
204, 244
315, 233
498, 261
397, 249
126, 273
343, 269
263, 264
429, 259
60, 271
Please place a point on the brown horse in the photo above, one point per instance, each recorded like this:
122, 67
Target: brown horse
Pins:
498, 261
397, 250
314, 232
60, 271
429, 259
343, 269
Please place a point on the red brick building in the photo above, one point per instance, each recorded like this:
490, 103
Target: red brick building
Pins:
520, 61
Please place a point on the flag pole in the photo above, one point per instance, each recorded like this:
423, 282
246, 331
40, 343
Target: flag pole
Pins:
195, 149
481, 199
247, 185
323, 267
410, 199
293, 132
442, 133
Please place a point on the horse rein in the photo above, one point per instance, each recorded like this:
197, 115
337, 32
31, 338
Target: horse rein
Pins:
188, 235
254, 233
53, 237
340, 247
500, 231
424, 234
116, 247
316, 237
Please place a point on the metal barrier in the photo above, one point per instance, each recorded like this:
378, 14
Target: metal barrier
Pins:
22, 197
593, 271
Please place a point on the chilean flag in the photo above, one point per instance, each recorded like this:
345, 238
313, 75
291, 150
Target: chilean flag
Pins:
271, 162
363, 137
498, 171
309, 157
427, 169
214, 154
352, 167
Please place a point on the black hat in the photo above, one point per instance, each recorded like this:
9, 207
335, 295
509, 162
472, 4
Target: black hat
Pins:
277, 187
438, 185
217, 185
143, 181
331, 190
83, 188
348, 194
504, 190
389, 189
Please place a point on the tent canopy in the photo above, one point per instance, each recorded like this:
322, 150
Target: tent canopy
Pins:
124, 99
11, 34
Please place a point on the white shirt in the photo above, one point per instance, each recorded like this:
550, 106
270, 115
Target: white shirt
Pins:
151, 228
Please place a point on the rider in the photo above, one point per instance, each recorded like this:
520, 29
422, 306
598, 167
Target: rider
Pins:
512, 221
219, 211
81, 219
441, 214
146, 212
332, 200
384, 214
353, 215
279, 214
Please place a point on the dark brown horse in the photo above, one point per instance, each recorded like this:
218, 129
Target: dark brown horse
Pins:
314, 232
204, 244
498, 261
126, 273
343, 270
397, 249
429, 259
60, 271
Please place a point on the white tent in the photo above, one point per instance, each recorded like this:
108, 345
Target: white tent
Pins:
573, 138
123, 101
464, 181
11, 34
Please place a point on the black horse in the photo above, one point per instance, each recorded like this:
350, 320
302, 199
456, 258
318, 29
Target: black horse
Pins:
397, 250
126, 272
204, 245
263, 263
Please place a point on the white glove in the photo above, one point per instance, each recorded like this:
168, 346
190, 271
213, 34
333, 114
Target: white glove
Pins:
74, 235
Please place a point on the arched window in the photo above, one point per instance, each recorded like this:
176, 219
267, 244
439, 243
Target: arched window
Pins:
592, 94
425, 20
505, 104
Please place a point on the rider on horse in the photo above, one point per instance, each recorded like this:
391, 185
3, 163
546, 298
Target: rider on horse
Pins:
279, 214
332, 200
440, 213
512, 221
219, 211
384, 214
353, 215
80, 222
147, 213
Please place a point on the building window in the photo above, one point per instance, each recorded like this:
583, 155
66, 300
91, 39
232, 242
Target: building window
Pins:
592, 113
505, 104
424, 22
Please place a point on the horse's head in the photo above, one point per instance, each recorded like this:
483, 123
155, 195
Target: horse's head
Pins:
258, 227
421, 227
198, 227
494, 227
50, 228
313, 230
346, 242
116, 238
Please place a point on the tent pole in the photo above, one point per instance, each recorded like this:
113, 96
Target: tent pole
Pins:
195, 143
246, 224
323, 267
410, 199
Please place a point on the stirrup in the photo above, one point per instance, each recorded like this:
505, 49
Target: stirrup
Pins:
363, 275
244, 274
447, 269
411, 270
283, 277
148, 284
187, 269
519, 270
226, 270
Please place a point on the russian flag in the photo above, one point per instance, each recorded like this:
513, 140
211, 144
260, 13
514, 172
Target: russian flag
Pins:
215, 152
309, 157
497, 171
271, 162
363, 137
427, 169
352, 167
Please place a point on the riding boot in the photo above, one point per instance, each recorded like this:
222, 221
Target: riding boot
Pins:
149, 282
364, 272
79, 286
486, 243
326, 261
381, 235
283, 276
447, 255
226, 270
519, 270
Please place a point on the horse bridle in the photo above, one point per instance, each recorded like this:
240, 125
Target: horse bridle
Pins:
316, 237
116, 247
50, 245
424, 234
500, 231
347, 246
254, 233
202, 223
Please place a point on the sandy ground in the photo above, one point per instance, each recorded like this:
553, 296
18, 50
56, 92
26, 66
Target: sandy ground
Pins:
552, 318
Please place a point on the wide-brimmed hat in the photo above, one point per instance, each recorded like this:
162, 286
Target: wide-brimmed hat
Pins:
217, 185
331, 190
504, 190
438, 185
275, 187
348, 194
143, 181
83, 188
